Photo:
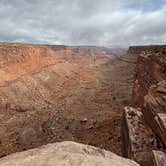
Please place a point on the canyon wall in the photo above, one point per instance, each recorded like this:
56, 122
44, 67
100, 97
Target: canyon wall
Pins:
144, 127
31, 77
137, 50
11, 54
151, 69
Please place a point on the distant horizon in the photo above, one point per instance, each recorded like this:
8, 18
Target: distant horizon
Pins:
82, 45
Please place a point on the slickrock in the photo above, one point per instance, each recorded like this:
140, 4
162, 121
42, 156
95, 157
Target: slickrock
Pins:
137, 138
159, 158
66, 153
151, 69
155, 109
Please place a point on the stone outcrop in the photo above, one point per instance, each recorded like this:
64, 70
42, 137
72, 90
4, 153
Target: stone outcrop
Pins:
66, 153
11, 54
138, 140
144, 127
155, 109
137, 50
151, 69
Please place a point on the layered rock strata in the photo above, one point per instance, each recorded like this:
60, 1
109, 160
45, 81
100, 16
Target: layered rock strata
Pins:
144, 127
151, 69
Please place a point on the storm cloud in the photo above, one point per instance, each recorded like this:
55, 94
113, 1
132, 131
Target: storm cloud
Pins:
83, 22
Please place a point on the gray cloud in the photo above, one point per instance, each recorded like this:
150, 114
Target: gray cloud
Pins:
75, 22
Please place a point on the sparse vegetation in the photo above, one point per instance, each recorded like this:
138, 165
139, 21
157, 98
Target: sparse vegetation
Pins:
131, 113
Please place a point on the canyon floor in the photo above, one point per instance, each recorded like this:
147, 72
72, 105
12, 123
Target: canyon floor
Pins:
70, 97
100, 92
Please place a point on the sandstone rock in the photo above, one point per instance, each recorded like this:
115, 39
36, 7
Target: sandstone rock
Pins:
21, 53
150, 70
144, 130
155, 109
66, 153
137, 138
159, 158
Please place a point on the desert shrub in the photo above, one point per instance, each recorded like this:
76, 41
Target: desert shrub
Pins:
131, 113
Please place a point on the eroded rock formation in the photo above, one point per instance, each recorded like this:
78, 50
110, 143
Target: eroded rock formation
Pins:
151, 69
144, 127
138, 140
155, 109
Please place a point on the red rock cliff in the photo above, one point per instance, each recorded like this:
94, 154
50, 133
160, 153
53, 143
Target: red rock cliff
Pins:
151, 69
137, 50
144, 128
16, 53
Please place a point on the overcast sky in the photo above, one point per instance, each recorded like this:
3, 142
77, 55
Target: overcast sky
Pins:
83, 22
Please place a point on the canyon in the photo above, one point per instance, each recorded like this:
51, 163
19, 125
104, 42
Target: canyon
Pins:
110, 99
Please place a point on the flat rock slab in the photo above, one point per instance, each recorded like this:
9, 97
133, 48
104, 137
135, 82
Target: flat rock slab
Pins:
159, 158
66, 153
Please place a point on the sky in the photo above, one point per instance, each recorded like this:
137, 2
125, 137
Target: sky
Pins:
83, 22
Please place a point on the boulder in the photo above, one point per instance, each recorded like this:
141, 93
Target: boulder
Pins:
66, 153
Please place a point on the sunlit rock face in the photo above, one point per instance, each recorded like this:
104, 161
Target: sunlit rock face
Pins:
66, 153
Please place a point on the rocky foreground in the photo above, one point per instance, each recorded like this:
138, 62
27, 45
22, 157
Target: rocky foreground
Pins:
66, 153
